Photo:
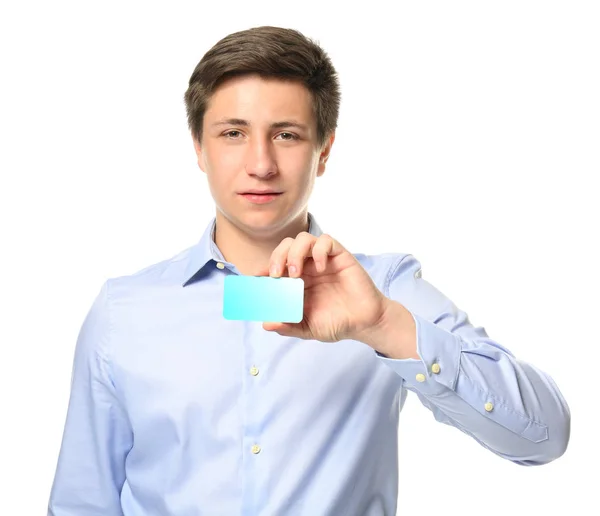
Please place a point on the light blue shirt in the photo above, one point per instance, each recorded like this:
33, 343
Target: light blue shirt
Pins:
176, 411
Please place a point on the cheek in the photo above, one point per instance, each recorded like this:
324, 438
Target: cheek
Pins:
303, 152
222, 158
219, 181
222, 169
300, 160
230, 159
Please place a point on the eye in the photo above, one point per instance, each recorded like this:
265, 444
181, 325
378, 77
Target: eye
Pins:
236, 135
288, 136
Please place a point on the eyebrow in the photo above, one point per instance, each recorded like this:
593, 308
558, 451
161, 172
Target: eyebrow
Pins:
274, 125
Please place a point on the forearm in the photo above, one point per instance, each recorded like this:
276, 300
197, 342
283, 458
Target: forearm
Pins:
509, 406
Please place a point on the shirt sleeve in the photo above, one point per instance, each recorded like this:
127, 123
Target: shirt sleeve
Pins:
473, 383
91, 465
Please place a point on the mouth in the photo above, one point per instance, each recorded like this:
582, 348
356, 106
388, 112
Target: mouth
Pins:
260, 198
261, 192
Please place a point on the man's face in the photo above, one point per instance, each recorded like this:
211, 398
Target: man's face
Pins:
261, 134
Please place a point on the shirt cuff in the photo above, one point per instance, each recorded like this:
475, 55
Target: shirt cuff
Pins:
437, 370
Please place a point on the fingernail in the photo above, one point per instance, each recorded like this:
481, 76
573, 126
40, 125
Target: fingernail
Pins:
292, 269
273, 269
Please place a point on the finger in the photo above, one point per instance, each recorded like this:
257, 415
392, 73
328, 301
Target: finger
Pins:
322, 248
284, 329
270, 326
300, 250
279, 257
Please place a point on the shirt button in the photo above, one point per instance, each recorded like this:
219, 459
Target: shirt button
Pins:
435, 368
254, 371
420, 377
220, 265
256, 449
489, 406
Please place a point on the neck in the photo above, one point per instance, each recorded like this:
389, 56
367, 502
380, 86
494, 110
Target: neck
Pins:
250, 248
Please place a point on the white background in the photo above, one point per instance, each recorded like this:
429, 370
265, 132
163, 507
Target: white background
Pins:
469, 137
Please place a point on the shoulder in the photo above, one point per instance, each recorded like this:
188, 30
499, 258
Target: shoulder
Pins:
385, 268
158, 275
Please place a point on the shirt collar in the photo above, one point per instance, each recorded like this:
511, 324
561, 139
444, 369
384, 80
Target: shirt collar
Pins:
206, 251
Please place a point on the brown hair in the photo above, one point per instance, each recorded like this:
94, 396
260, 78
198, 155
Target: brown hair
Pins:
271, 52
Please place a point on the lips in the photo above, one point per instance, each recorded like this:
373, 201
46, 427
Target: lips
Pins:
263, 198
259, 192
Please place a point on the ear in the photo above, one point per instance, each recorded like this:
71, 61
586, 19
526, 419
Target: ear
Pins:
199, 153
325, 154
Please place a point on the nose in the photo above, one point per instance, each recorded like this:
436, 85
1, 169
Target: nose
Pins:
260, 158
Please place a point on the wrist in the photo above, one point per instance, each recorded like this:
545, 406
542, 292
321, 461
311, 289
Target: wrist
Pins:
394, 334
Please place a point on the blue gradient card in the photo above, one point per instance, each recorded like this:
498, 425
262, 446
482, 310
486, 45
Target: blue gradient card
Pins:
262, 298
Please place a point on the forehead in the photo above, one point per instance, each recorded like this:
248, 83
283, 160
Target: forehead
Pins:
256, 98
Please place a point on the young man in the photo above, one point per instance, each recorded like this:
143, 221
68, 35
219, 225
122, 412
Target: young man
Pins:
176, 411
